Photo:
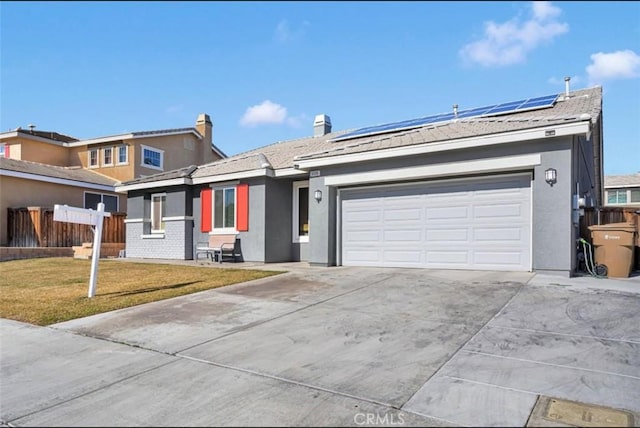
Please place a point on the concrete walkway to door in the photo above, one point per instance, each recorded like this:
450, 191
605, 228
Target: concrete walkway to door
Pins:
333, 346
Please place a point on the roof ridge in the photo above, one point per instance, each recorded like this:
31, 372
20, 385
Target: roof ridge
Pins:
261, 148
37, 163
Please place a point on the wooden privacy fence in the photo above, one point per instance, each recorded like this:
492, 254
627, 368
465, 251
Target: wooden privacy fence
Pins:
607, 215
34, 227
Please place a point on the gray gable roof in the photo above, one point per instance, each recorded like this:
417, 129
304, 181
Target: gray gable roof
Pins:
168, 175
583, 102
50, 135
579, 106
59, 172
629, 180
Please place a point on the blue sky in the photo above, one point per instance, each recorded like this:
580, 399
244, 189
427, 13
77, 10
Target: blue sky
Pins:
263, 70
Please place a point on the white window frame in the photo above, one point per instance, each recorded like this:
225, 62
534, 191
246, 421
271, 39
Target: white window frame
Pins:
295, 209
223, 230
97, 164
106, 150
3, 150
154, 195
126, 154
621, 190
153, 149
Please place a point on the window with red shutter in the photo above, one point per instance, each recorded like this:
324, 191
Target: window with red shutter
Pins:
242, 196
205, 210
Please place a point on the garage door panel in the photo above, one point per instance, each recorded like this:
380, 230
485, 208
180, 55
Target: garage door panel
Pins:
498, 235
402, 214
363, 255
447, 235
363, 236
362, 216
447, 213
498, 211
403, 256
451, 258
402, 236
481, 224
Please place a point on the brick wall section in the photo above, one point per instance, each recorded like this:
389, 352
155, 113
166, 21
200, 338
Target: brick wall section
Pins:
17, 253
176, 243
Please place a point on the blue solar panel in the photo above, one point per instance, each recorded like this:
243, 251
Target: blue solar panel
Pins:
509, 107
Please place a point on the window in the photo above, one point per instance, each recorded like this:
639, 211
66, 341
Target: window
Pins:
623, 196
107, 156
93, 158
224, 208
91, 200
4, 150
152, 158
158, 212
123, 157
300, 211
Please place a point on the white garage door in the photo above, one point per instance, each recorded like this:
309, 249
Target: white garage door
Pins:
480, 224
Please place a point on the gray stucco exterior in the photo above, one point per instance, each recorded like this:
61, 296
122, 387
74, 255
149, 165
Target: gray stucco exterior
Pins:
269, 236
554, 233
176, 240
271, 173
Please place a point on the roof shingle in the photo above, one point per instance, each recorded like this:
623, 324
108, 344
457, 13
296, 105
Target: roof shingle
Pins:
59, 172
579, 106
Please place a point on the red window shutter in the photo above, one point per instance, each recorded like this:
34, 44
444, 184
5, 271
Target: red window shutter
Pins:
242, 213
205, 210
6, 151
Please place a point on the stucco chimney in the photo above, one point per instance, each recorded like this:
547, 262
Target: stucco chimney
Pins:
205, 128
321, 125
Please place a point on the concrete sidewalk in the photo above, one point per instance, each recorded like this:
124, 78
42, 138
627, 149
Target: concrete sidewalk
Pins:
334, 346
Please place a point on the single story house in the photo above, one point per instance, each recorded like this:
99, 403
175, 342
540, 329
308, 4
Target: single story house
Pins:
496, 188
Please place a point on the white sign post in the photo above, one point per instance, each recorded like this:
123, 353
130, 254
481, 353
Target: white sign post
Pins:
92, 218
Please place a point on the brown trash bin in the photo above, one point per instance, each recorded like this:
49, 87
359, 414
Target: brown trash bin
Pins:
614, 245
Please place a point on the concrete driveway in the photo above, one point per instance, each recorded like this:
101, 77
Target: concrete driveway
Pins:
332, 346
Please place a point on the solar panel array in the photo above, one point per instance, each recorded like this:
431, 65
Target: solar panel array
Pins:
508, 107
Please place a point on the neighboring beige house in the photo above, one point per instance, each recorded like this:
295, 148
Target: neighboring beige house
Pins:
622, 190
41, 168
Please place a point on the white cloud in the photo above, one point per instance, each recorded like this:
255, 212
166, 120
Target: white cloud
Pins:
615, 65
263, 114
510, 42
284, 33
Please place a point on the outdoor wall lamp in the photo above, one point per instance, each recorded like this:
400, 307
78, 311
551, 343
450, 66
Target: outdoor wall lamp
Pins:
317, 195
551, 176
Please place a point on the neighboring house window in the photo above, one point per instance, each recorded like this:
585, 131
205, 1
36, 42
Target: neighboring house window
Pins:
4, 150
123, 152
225, 209
93, 158
110, 202
300, 211
158, 212
623, 196
107, 156
152, 158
